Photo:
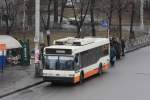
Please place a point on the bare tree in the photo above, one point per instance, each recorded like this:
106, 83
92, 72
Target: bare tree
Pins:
106, 7
110, 14
46, 23
132, 35
55, 13
80, 10
120, 6
92, 17
147, 5
63, 4
9, 12
30, 9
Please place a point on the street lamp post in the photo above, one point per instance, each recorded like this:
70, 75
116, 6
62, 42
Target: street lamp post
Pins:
37, 37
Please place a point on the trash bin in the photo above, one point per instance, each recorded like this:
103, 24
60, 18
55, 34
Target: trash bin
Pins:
25, 53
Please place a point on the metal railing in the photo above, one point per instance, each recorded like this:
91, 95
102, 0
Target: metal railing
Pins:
137, 43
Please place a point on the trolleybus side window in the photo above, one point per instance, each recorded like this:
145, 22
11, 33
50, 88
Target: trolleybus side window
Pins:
104, 50
84, 61
90, 57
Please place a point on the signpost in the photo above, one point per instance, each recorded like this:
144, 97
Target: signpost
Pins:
105, 24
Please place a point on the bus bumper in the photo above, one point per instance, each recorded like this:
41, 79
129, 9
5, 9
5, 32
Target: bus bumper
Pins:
59, 79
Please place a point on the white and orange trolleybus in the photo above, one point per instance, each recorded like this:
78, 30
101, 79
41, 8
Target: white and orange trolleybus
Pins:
75, 59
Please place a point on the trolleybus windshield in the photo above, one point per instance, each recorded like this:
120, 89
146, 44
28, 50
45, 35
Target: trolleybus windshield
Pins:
59, 63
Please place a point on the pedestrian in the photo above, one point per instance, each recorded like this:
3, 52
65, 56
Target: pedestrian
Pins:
42, 46
117, 47
112, 55
122, 47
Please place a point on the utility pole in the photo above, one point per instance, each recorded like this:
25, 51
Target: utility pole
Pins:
92, 17
132, 35
55, 13
37, 37
37, 23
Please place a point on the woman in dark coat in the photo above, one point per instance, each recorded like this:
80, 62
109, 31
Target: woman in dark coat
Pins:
112, 55
117, 47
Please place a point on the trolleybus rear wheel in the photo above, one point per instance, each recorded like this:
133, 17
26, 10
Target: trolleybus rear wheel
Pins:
100, 69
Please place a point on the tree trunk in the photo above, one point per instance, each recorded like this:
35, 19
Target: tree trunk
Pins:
48, 16
55, 13
10, 14
7, 26
7, 18
82, 15
78, 32
48, 23
62, 11
110, 15
48, 37
120, 23
132, 35
92, 17
48, 40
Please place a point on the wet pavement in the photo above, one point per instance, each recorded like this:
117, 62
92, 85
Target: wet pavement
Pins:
16, 77
129, 79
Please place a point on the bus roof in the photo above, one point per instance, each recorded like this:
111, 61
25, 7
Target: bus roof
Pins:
79, 44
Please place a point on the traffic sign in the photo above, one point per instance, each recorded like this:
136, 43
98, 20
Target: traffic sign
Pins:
104, 23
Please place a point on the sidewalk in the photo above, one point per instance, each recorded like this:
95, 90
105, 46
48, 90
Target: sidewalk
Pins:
17, 77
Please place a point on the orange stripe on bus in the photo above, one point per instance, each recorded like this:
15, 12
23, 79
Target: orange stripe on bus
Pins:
106, 67
76, 79
90, 73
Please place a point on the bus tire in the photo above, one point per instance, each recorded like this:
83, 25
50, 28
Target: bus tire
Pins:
55, 83
100, 69
81, 77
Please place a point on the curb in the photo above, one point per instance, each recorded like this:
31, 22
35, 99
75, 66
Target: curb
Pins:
21, 89
136, 48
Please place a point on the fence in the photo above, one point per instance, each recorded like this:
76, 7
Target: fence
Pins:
137, 43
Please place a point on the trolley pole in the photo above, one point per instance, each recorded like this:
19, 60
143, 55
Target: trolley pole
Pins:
37, 37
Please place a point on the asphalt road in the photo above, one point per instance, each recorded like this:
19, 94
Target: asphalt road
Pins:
129, 79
